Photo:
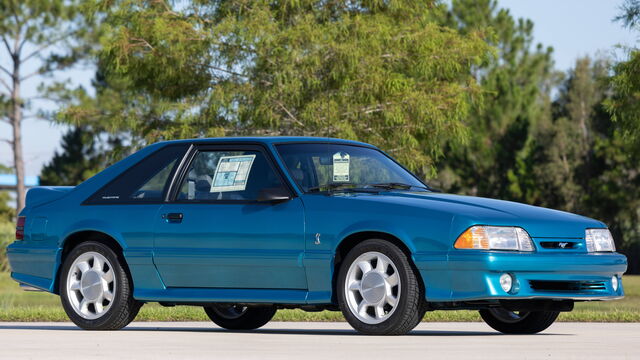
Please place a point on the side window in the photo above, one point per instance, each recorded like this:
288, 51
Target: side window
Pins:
227, 175
144, 182
153, 188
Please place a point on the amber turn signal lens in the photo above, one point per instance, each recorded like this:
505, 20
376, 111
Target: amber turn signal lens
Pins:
473, 238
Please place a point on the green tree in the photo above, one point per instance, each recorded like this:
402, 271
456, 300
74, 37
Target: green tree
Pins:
579, 161
618, 197
377, 71
624, 105
562, 155
614, 193
46, 35
516, 83
81, 157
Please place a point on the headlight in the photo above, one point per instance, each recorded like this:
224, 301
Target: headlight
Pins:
599, 240
495, 238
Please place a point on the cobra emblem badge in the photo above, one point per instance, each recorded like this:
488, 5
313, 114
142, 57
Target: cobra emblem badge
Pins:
317, 242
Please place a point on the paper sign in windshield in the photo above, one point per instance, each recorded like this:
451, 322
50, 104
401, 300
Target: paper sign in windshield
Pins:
340, 167
232, 173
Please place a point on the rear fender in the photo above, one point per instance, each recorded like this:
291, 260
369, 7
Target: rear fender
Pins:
93, 225
80, 226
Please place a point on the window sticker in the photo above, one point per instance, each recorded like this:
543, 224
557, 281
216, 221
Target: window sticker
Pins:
341, 167
232, 173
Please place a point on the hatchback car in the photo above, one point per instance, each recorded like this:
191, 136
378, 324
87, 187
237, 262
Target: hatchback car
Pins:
246, 226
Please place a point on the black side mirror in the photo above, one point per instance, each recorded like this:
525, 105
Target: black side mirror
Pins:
274, 195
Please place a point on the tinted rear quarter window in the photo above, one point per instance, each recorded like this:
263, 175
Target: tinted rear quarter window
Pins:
144, 182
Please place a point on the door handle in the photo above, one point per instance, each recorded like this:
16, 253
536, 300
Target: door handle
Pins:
173, 217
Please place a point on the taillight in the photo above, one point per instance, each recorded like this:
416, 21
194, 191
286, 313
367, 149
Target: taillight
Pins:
20, 227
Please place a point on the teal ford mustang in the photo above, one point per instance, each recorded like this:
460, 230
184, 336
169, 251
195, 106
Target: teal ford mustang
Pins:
246, 226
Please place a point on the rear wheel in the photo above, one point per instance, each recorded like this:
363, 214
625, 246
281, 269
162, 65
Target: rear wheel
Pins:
95, 289
237, 317
518, 322
378, 291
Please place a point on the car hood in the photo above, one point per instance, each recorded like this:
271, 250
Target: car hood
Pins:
469, 210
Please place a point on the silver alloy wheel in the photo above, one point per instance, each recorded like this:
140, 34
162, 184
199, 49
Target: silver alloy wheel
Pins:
508, 316
91, 285
229, 312
372, 287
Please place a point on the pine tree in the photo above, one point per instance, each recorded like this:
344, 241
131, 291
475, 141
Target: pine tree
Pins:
79, 159
624, 105
514, 82
376, 71
562, 154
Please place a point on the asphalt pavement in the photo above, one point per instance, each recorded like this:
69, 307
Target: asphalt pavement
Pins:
309, 341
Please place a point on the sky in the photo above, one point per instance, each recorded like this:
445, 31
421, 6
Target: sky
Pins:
574, 28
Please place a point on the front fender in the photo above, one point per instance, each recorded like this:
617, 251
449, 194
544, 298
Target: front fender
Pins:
376, 226
428, 242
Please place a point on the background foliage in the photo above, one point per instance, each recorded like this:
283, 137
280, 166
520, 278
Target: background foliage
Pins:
7, 235
384, 72
83, 155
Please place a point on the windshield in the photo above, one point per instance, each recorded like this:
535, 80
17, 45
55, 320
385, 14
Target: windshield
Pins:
327, 167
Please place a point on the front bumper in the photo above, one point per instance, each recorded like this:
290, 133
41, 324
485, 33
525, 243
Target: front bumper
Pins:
579, 276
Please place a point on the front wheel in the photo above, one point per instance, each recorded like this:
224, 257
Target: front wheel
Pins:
237, 317
379, 292
518, 322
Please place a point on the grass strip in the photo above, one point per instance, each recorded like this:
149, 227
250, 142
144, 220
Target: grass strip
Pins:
188, 313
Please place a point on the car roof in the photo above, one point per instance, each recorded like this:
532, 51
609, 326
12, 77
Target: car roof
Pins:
269, 140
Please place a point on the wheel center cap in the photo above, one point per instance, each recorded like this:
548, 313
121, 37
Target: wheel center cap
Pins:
373, 287
91, 285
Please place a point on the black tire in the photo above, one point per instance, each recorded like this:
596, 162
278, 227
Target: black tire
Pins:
124, 307
411, 303
525, 323
234, 317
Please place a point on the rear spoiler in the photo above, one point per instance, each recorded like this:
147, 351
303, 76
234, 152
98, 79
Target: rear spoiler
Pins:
45, 194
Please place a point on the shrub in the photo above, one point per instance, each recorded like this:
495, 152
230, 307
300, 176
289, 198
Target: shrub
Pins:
7, 235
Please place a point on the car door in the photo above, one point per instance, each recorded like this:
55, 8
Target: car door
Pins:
128, 205
214, 233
